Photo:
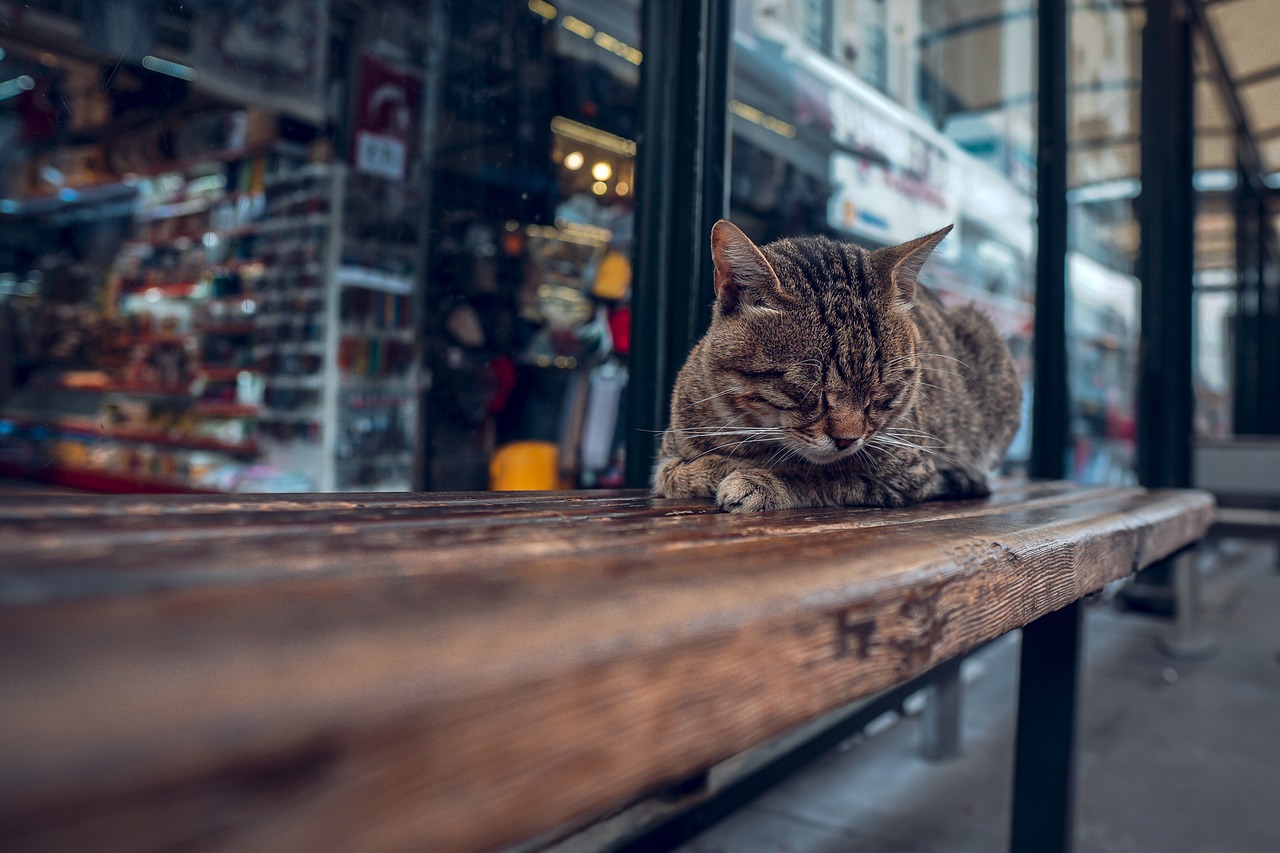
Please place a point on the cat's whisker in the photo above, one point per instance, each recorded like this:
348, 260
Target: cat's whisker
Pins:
963, 364
947, 372
734, 444
717, 433
737, 390
939, 387
905, 432
891, 441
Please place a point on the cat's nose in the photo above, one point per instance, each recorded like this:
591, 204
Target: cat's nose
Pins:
843, 443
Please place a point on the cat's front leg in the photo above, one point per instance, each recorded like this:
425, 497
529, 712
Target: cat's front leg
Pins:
689, 478
756, 489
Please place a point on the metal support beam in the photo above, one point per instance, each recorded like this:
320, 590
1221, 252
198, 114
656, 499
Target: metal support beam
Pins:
1226, 87
1050, 410
1246, 322
1166, 264
1045, 757
681, 191
1166, 261
1268, 324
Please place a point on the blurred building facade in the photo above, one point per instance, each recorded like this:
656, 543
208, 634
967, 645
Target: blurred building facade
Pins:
339, 245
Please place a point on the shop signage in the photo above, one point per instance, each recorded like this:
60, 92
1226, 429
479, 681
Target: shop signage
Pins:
386, 118
891, 182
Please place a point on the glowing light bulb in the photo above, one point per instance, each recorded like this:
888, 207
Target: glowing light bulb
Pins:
602, 171
573, 160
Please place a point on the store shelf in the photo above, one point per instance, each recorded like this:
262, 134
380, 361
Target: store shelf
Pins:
309, 414
396, 385
373, 280
402, 335
226, 410
182, 392
84, 428
229, 329
93, 480
223, 374
172, 290
290, 348
306, 383
174, 210
154, 339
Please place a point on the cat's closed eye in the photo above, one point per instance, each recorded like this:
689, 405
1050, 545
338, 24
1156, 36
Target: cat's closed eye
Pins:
775, 400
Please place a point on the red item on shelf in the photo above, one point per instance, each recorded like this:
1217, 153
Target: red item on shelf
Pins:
504, 374
620, 328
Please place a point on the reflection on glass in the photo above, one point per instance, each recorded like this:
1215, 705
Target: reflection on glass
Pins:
1102, 233
1215, 278
878, 121
242, 245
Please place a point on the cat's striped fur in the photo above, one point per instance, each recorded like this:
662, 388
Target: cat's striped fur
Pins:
830, 377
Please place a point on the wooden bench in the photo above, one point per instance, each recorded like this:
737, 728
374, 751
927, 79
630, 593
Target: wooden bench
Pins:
462, 671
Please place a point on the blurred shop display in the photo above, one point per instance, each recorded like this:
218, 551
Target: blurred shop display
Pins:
531, 236
243, 339
1102, 370
301, 246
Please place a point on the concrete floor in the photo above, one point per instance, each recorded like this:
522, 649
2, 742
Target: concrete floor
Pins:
1177, 757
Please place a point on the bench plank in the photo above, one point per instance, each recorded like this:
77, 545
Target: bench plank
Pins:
459, 672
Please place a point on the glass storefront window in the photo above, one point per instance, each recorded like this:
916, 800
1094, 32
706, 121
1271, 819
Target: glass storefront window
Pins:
1216, 185
878, 121
1103, 181
300, 246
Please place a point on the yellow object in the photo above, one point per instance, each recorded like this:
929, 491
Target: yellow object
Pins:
525, 466
614, 278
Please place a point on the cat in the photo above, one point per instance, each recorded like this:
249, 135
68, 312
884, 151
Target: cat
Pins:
830, 376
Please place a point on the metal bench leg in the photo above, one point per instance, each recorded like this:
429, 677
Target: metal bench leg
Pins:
1044, 761
940, 728
1189, 640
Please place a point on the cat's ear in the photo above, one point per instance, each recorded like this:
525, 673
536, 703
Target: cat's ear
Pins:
742, 272
902, 263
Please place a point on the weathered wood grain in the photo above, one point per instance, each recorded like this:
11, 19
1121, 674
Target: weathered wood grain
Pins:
455, 672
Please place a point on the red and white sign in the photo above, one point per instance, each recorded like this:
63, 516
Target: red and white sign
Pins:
386, 118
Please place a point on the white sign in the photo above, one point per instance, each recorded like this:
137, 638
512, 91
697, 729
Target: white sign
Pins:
381, 155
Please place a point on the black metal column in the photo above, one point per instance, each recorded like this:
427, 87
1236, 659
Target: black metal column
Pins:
1044, 757
1166, 215
1269, 316
1246, 324
1050, 406
1044, 763
681, 191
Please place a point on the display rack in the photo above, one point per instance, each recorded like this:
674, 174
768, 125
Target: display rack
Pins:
350, 417
255, 345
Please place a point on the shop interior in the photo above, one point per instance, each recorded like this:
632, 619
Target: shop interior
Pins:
310, 248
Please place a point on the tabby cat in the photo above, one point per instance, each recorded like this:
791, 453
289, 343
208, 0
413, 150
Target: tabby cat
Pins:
830, 377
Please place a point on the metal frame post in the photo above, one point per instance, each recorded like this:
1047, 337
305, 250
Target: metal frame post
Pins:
681, 191
1269, 317
1050, 406
1045, 753
1166, 210
1166, 262
1245, 326
1049, 660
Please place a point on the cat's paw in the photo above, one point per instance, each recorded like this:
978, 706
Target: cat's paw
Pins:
676, 478
751, 491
